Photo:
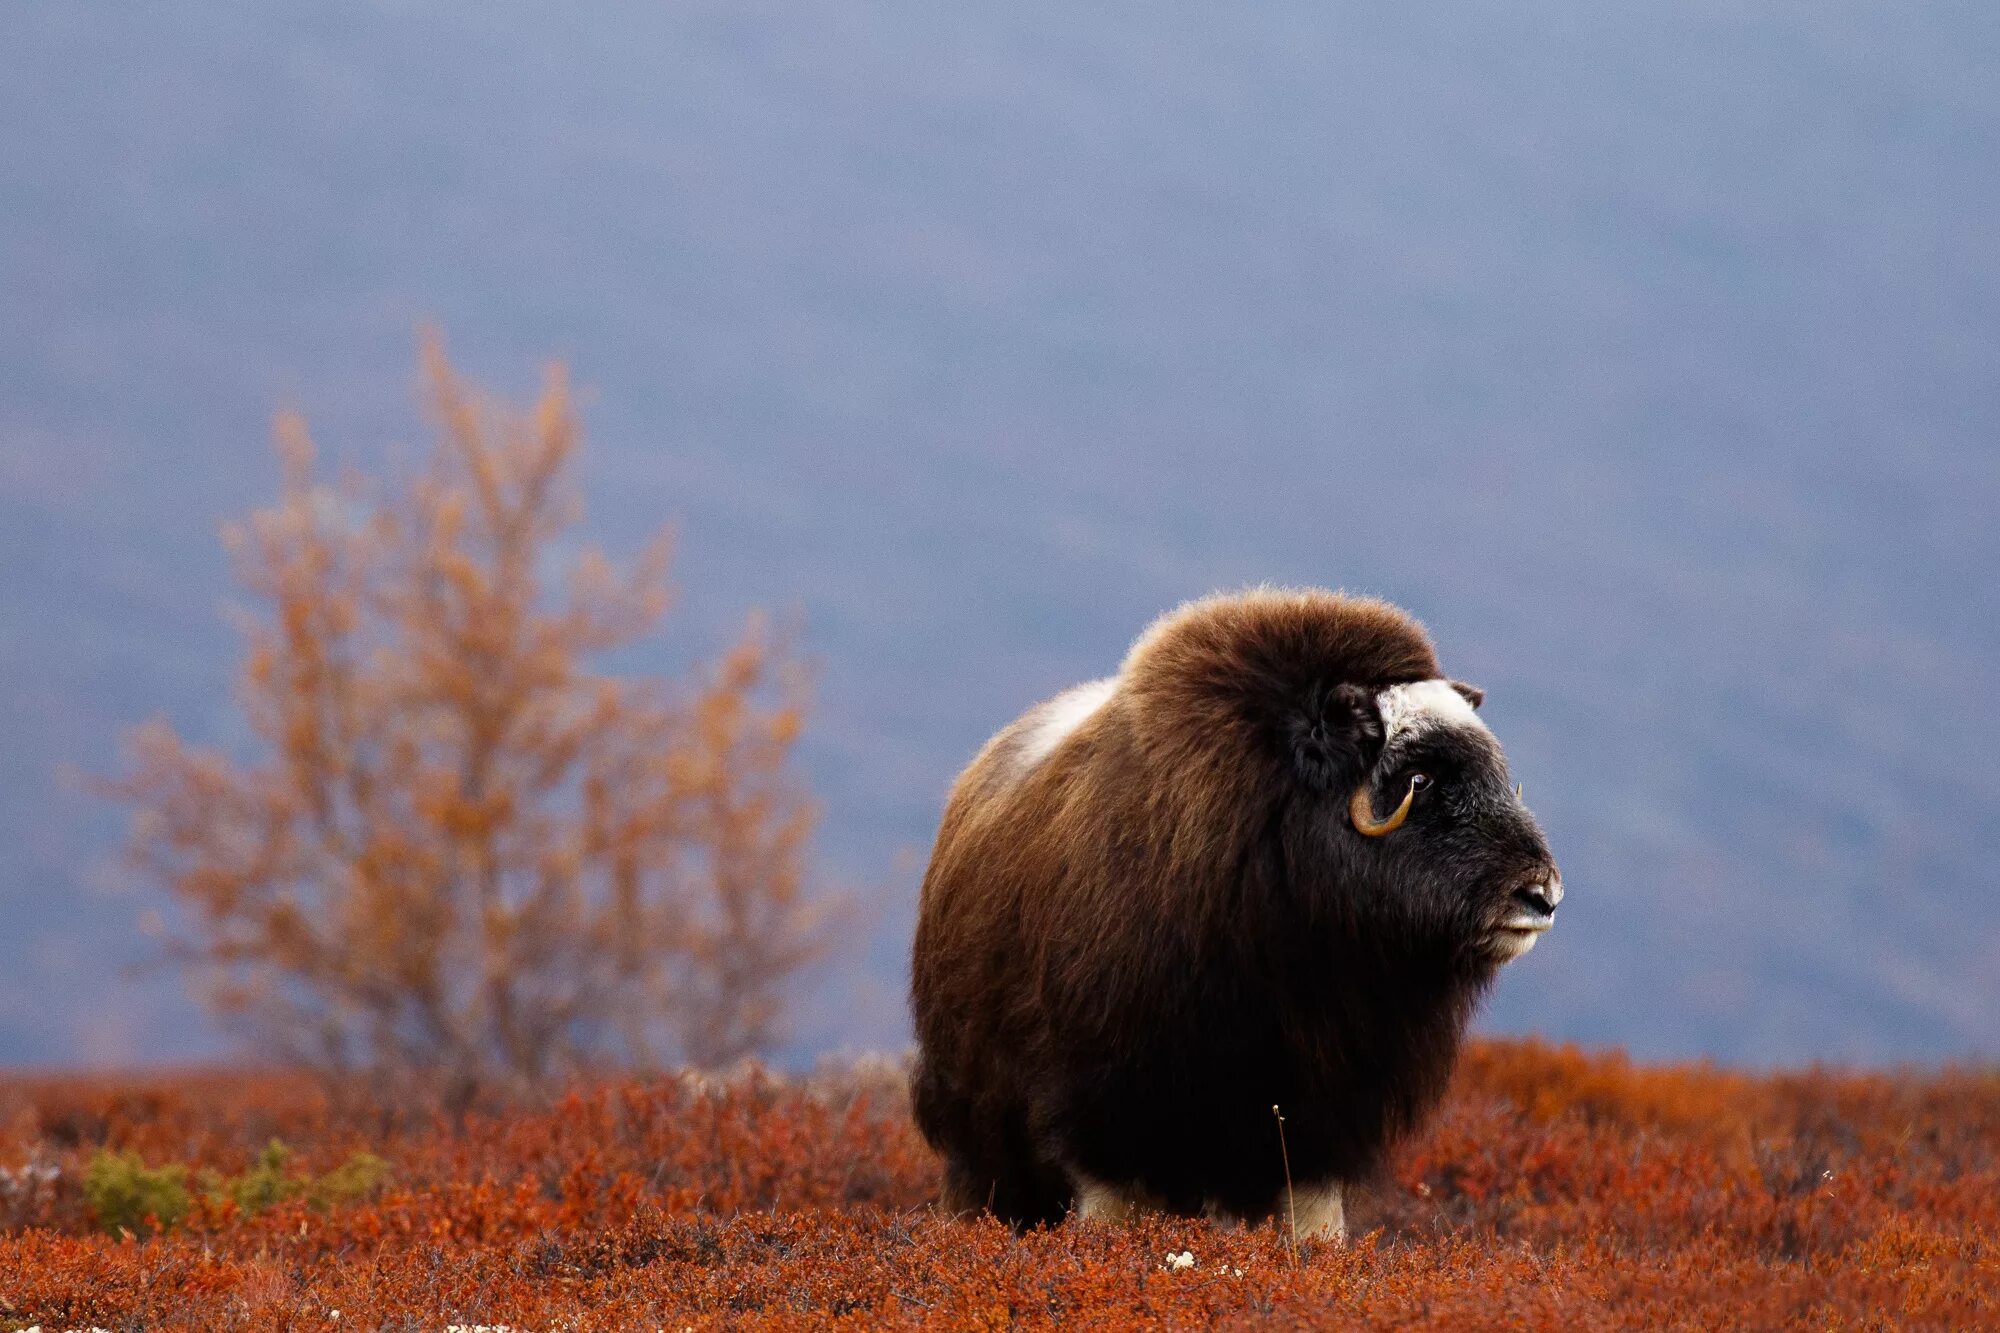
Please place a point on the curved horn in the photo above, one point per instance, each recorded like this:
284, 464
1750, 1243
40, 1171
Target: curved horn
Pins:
1361, 809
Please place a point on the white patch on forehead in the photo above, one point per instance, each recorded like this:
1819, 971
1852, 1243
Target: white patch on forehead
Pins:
1046, 726
1423, 705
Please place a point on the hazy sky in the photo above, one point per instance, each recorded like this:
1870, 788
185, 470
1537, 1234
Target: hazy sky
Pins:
1653, 358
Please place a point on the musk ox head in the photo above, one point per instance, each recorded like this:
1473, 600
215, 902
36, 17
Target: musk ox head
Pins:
1421, 824
1332, 716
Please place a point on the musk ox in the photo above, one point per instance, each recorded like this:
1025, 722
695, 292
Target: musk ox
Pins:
1274, 861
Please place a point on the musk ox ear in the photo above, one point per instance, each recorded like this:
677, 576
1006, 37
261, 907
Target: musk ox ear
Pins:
1472, 694
1334, 737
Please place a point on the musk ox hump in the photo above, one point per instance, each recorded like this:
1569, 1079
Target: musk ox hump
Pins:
1047, 725
1211, 682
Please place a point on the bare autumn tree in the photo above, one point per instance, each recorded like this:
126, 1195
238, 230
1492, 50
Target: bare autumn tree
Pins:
462, 856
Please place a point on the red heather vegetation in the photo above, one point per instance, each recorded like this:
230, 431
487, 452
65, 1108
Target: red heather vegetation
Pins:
1555, 1189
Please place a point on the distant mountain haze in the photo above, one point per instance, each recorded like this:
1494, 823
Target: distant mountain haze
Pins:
1653, 358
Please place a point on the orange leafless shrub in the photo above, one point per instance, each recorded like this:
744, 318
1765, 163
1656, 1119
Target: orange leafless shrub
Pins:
461, 853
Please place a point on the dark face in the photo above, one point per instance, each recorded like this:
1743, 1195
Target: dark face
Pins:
1435, 828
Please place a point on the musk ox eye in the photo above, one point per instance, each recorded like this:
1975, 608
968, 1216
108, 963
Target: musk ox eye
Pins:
1420, 782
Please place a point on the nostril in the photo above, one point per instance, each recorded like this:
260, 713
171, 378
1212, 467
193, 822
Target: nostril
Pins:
1539, 899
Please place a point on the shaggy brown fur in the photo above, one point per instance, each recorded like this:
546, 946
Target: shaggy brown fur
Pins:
1128, 951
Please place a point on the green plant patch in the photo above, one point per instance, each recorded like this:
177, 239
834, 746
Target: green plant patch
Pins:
128, 1197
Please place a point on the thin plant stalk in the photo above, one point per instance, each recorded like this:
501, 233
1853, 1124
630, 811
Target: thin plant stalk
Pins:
1291, 1203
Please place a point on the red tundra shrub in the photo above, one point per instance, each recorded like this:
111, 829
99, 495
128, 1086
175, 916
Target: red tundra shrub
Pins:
1556, 1189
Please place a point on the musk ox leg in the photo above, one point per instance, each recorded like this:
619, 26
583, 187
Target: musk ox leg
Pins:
1097, 1201
962, 1192
990, 1160
1321, 1210
1023, 1195
1221, 1217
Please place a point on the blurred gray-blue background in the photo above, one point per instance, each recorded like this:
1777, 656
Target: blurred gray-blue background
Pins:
1651, 355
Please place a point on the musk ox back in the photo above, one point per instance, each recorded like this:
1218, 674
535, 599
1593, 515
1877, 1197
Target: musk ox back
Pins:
1274, 861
